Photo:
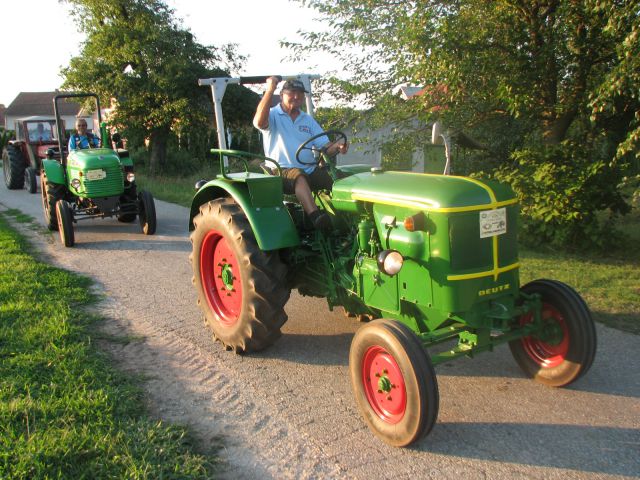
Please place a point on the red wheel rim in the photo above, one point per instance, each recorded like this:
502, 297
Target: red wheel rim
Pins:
384, 385
544, 353
220, 275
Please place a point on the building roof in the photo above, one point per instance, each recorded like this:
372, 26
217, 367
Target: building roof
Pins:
39, 103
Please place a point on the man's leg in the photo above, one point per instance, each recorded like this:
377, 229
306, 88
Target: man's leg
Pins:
320, 219
304, 195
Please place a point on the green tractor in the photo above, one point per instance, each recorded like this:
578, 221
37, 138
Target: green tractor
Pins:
91, 183
431, 259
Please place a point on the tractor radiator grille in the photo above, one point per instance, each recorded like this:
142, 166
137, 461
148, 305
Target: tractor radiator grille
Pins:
112, 184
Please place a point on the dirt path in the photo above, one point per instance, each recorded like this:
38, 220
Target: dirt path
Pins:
289, 413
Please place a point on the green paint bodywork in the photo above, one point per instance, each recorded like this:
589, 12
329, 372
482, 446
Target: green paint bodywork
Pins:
54, 171
81, 164
260, 197
459, 279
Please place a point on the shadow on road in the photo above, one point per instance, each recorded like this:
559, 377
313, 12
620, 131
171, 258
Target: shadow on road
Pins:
326, 350
122, 245
572, 446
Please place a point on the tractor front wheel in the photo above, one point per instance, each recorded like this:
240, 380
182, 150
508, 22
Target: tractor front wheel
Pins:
65, 223
13, 167
241, 289
51, 193
393, 381
563, 348
30, 182
147, 215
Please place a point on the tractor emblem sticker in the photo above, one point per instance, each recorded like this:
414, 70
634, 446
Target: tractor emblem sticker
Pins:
493, 222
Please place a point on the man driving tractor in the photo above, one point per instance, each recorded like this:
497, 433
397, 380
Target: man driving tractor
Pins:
284, 127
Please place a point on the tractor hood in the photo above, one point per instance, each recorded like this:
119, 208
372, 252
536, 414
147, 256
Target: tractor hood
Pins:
96, 172
419, 191
93, 158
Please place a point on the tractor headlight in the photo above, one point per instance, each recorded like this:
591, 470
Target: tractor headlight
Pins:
390, 261
131, 177
75, 183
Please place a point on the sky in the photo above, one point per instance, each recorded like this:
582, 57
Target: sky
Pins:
34, 55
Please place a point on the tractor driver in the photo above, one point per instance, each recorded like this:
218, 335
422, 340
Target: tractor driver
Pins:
42, 135
83, 139
284, 128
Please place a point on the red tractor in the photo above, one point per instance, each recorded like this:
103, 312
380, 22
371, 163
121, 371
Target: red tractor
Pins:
22, 157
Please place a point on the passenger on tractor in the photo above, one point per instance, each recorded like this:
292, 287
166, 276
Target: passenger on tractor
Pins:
284, 128
83, 139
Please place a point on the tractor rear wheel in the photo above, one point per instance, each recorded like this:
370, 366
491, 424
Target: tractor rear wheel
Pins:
565, 347
64, 216
13, 167
30, 182
128, 203
241, 289
147, 215
51, 193
393, 381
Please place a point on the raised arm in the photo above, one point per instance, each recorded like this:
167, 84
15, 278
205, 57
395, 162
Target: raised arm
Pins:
261, 118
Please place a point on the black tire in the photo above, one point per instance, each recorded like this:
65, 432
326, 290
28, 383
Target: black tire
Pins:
393, 382
147, 215
51, 193
64, 215
128, 203
248, 314
13, 167
570, 347
30, 182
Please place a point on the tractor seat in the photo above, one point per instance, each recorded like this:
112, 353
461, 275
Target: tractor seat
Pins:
122, 153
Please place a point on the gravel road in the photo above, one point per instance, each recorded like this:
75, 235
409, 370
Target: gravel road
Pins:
288, 412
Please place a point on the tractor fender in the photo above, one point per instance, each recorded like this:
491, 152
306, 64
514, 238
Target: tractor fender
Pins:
271, 225
54, 171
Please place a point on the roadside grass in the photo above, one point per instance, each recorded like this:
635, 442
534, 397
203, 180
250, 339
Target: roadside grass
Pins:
610, 284
66, 413
173, 189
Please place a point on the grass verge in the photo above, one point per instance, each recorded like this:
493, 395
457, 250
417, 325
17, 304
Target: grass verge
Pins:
178, 190
66, 413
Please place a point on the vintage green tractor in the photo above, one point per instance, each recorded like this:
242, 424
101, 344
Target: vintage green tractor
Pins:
433, 259
91, 183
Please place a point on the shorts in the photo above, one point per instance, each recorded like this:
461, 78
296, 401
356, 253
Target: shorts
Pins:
319, 179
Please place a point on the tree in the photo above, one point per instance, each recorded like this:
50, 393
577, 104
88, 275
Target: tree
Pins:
534, 79
159, 92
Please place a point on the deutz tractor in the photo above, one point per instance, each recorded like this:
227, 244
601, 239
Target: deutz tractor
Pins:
22, 157
91, 183
432, 259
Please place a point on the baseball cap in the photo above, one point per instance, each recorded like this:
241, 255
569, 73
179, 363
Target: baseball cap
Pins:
294, 85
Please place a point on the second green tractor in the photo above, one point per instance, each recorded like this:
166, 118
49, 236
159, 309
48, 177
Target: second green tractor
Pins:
91, 183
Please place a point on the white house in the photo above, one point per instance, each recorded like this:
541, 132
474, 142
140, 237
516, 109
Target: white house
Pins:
40, 104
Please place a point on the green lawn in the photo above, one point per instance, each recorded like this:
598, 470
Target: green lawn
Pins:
178, 190
66, 413
610, 284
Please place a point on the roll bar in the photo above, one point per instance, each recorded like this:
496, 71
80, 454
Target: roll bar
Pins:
61, 136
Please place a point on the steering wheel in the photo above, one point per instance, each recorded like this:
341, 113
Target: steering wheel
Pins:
305, 146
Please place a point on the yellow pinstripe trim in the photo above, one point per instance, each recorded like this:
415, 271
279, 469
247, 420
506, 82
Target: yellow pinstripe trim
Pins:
421, 204
495, 272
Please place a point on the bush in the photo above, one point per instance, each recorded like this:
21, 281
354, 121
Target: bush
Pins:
180, 162
5, 136
567, 198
